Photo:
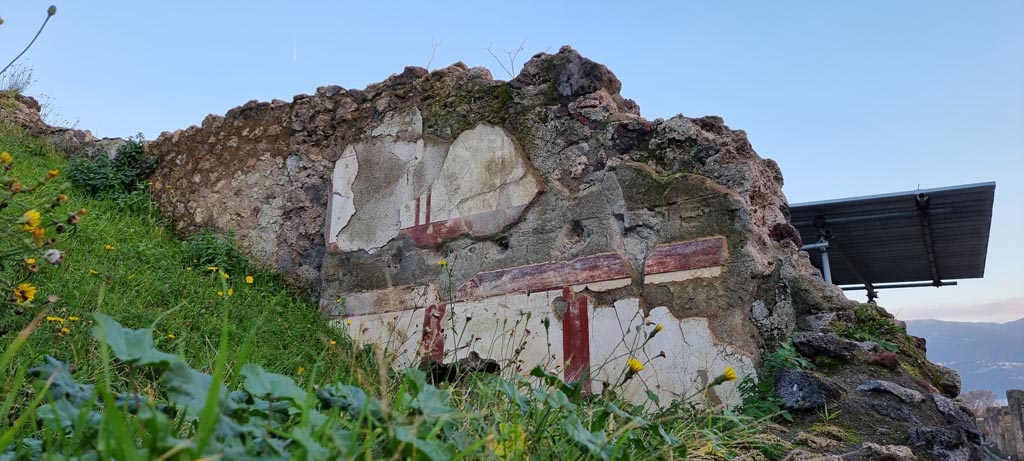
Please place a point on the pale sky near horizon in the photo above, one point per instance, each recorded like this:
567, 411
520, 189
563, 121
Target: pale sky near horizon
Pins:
851, 98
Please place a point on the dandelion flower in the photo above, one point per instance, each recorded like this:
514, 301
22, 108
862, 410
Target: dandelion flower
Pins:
212, 268
442, 263
171, 336
82, 212
729, 374
24, 292
30, 220
248, 279
348, 322
50, 318
73, 318
37, 235
331, 342
65, 330
301, 371
52, 174
108, 247
231, 291
220, 292
29, 261
93, 272
225, 275
659, 327
5, 157
634, 365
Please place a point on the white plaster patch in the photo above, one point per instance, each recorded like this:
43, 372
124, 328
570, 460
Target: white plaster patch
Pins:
679, 276
391, 299
693, 357
398, 334
342, 201
401, 124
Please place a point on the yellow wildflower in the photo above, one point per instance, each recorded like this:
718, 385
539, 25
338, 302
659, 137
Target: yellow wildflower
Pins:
73, 318
188, 268
93, 272
659, 327
729, 374
225, 275
65, 330
50, 318
231, 291
634, 365
108, 247
62, 198
30, 220
82, 212
171, 336
249, 279
52, 174
442, 263
348, 322
24, 292
220, 292
301, 371
5, 157
331, 342
30, 261
212, 268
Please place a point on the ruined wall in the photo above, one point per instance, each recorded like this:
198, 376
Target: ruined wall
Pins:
1003, 427
549, 196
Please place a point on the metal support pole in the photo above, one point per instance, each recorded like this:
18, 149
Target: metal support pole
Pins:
825, 270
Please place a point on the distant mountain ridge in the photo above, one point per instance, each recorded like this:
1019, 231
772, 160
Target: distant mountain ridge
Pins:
989, 356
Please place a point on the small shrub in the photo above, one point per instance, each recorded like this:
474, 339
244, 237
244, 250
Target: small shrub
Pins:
210, 249
871, 325
126, 173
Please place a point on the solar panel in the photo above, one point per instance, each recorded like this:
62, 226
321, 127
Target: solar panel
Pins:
928, 235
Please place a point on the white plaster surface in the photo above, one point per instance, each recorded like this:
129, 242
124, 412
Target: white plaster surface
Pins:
692, 353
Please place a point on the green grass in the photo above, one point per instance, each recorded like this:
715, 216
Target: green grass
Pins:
122, 261
147, 280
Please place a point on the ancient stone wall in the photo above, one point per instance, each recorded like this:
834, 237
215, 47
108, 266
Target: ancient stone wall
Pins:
1003, 427
546, 195
449, 216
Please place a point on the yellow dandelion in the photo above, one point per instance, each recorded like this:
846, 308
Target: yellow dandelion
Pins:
108, 247
30, 220
220, 293
65, 330
634, 365
212, 268
301, 371
171, 336
93, 272
231, 291
348, 322
52, 174
37, 235
5, 157
331, 342
442, 263
249, 279
50, 318
29, 261
659, 327
24, 292
73, 318
729, 374
225, 275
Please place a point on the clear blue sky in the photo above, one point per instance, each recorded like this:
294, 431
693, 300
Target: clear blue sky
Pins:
851, 98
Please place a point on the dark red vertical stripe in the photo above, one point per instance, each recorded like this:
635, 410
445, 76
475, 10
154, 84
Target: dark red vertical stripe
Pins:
432, 346
576, 339
416, 220
426, 219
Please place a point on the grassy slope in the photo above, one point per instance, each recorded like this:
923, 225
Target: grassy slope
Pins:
146, 281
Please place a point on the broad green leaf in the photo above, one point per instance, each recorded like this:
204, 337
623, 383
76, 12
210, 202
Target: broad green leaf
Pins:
595, 442
351, 400
510, 390
188, 388
62, 415
64, 386
432, 449
313, 449
134, 347
263, 384
433, 403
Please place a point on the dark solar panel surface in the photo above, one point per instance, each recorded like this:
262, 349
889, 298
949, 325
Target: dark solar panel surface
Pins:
880, 238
